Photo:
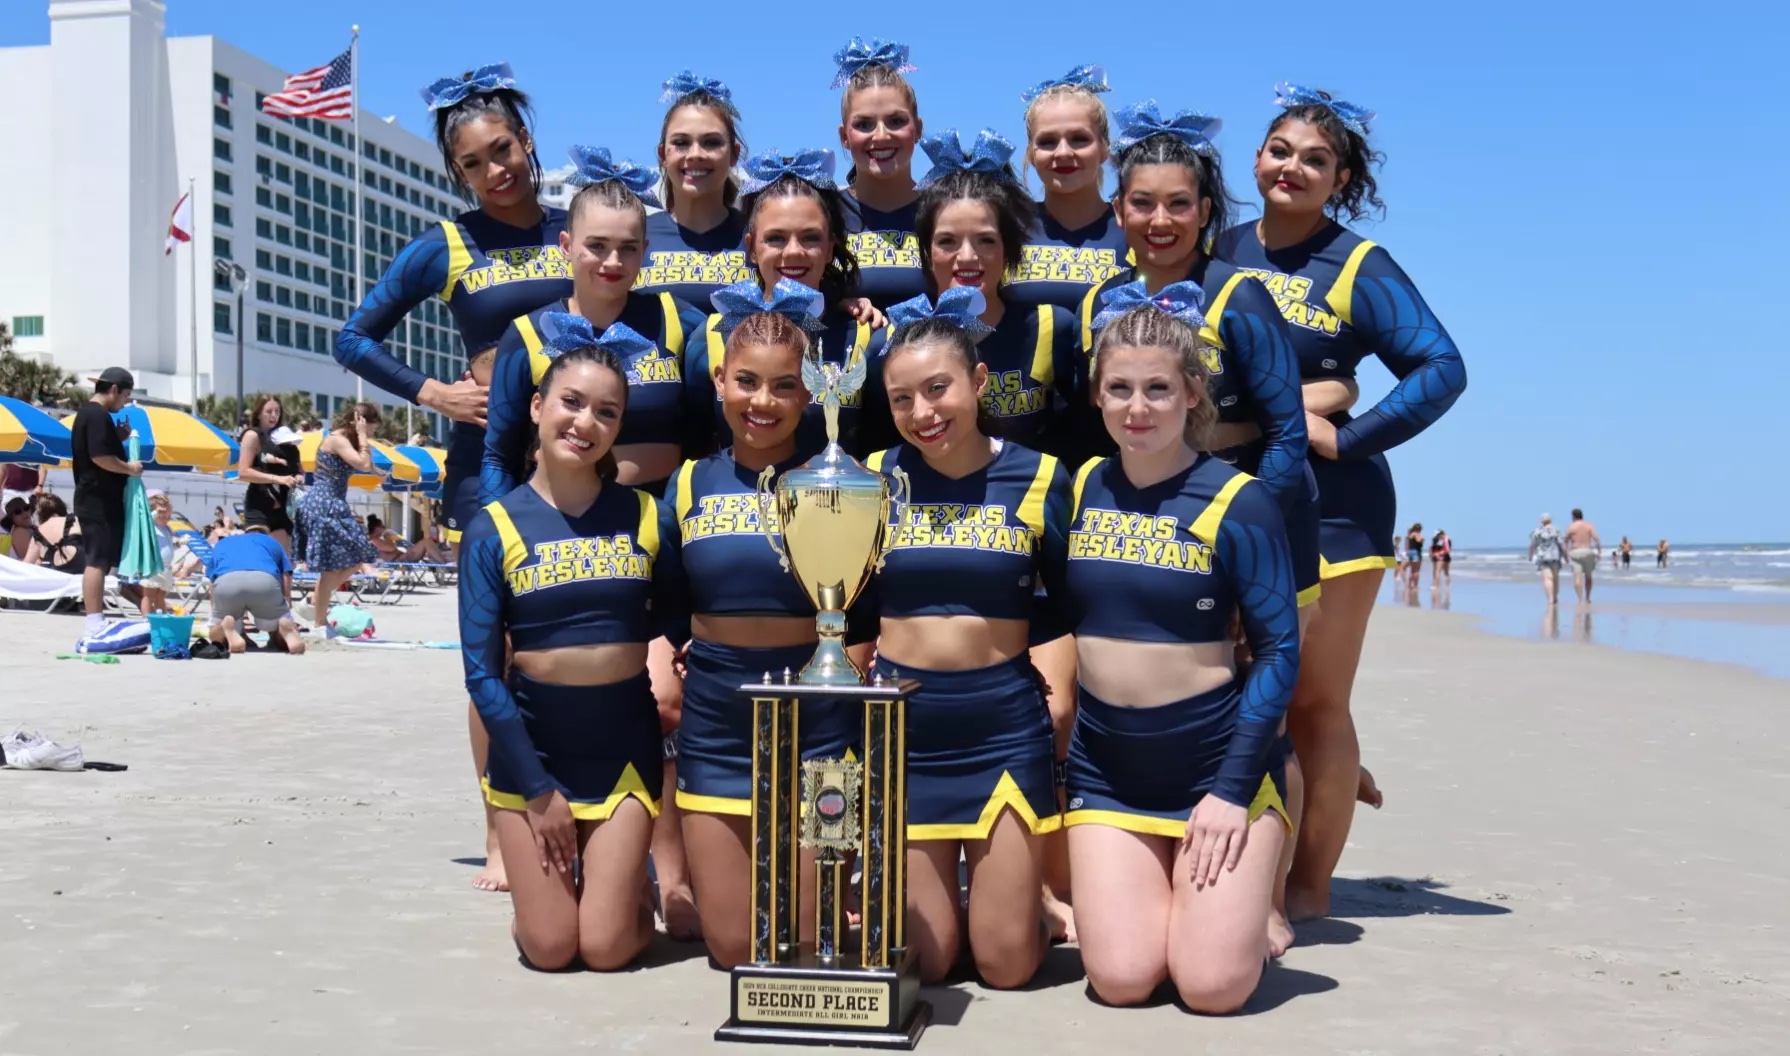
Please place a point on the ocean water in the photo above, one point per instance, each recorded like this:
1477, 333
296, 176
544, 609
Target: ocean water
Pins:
1738, 567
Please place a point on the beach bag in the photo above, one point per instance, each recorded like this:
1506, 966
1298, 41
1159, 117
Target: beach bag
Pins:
125, 636
351, 621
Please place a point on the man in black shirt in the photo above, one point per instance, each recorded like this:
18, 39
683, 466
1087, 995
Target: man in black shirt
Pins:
100, 467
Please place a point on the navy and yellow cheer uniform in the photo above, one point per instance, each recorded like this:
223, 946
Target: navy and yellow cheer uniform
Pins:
1171, 563
1344, 298
550, 580
978, 740
656, 405
728, 568
887, 251
1254, 378
841, 336
692, 265
1060, 265
488, 273
1036, 373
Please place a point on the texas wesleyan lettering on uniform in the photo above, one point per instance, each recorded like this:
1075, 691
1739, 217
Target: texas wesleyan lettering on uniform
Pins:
1089, 264
959, 525
516, 265
885, 249
1008, 397
722, 515
688, 266
574, 560
1290, 292
1137, 539
658, 367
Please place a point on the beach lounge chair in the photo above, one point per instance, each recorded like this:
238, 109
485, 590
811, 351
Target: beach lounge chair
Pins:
31, 585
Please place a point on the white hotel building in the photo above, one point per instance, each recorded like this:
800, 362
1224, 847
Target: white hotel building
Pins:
120, 118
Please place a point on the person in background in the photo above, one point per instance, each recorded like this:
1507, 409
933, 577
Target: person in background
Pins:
1627, 549
335, 543
151, 592
100, 469
1660, 556
1583, 548
19, 526
56, 540
393, 548
252, 576
879, 128
270, 468
1441, 556
1413, 556
1547, 550
1078, 242
19, 481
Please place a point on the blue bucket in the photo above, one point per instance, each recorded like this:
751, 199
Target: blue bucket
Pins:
166, 629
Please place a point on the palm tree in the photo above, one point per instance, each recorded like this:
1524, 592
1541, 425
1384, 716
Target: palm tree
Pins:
36, 382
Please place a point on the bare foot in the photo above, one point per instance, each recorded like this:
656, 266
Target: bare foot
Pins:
681, 920
1307, 905
1368, 792
286, 638
234, 640
1280, 933
492, 877
1060, 917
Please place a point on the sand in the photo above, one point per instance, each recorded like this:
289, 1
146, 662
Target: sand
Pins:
1582, 851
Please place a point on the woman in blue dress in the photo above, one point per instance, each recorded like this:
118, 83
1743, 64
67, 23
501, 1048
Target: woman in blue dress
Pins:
336, 545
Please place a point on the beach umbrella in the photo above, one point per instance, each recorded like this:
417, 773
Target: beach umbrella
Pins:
175, 440
431, 462
29, 435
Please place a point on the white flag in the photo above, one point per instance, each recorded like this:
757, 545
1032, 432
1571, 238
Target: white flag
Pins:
180, 225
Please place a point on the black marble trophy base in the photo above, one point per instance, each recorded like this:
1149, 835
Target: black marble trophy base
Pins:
805, 1002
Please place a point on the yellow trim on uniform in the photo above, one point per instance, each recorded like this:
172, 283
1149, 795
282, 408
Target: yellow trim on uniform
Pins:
1044, 363
681, 495
1087, 320
875, 462
459, 257
1267, 798
627, 786
1311, 594
452, 535
1341, 297
1006, 794
538, 360
514, 550
1214, 311
739, 808
674, 327
646, 533
1031, 508
1081, 479
1205, 527
1329, 570
717, 348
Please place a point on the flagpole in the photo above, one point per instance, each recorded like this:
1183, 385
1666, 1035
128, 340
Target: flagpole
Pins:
360, 385
192, 270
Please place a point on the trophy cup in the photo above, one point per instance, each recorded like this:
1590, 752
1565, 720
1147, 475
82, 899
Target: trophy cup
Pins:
829, 523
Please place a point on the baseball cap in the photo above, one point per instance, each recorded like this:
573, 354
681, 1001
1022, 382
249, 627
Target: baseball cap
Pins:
117, 377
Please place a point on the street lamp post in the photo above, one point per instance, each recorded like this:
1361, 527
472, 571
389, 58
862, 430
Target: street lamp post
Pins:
238, 279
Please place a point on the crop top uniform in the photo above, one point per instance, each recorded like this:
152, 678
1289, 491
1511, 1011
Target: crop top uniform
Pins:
887, 251
691, 265
1059, 265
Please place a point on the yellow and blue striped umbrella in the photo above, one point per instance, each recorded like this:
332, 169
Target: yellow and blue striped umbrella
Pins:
176, 440
431, 462
388, 463
29, 435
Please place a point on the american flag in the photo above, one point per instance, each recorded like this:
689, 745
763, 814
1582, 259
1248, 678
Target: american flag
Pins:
326, 92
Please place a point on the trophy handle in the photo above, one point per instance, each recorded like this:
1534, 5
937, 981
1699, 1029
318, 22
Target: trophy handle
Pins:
767, 512
900, 492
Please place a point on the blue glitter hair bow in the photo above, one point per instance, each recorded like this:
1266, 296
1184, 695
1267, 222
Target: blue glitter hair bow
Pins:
1354, 118
814, 166
1140, 122
736, 303
859, 54
575, 331
592, 165
962, 305
686, 83
989, 155
1183, 300
449, 91
1093, 78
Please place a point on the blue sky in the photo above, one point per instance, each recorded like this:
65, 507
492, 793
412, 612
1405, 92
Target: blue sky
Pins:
1591, 196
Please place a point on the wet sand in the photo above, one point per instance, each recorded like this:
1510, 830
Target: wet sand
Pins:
1582, 851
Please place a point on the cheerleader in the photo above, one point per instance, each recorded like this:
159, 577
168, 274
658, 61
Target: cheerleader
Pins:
1175, 815
1077, 243
697, 242
569, 569
749, 616
489, 265
795, 231
604, 241
879, 126
1345, 299
955, 598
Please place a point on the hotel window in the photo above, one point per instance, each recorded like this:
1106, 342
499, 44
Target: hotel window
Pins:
220, 318
221, 247
282, 234
282, 204
336, 166
263, 261
264, 198
301, 301
27, 326
263, 227
321, 340
303, 151
282, 297
319, 224
263, 290
338, 199
301, 185
220, 117
263, 134
263, 167
220, 281
220, 149
320, 192
282, 331
385, 158
220, 215
263, 326
385, 184
282, 265
368, 151
335, 135
302, 272
220, 182
301, 215
220, 84
282, 172
302, 336
260, 97
282, 143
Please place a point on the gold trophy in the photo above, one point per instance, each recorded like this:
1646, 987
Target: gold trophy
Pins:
829, 521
